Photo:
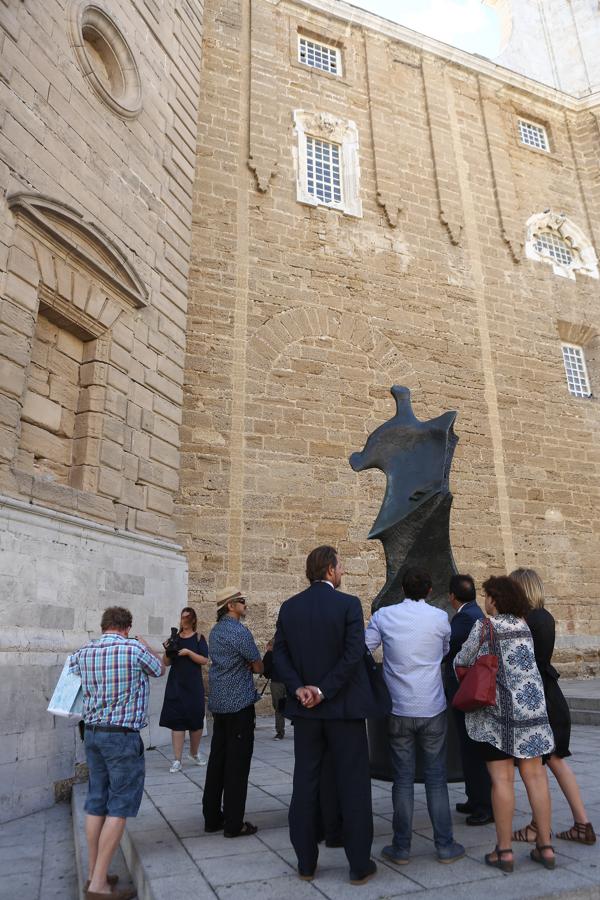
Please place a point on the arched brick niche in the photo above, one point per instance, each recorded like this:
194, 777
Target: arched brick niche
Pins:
318, 382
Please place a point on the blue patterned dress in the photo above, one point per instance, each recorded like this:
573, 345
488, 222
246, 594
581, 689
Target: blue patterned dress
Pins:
518, 723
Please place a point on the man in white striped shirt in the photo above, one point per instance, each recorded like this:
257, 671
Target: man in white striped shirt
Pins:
415, 638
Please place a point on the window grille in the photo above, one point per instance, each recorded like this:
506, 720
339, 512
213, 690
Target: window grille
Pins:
576, 371
318, 56
323, 171
551, 244
533, 135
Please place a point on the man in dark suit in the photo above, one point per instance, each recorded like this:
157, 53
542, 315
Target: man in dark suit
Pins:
477, 781
319, 655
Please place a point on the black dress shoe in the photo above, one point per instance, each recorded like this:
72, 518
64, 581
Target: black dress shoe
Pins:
483, 818
464, 808
305, 874
362, 879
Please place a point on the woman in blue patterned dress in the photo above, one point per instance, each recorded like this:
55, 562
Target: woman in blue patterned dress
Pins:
516, 728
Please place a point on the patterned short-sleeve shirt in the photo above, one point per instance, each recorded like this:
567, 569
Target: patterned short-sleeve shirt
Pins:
114, 677
230, 648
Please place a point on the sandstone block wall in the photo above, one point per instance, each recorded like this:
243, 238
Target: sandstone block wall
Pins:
301, 317
94, 289
96, 171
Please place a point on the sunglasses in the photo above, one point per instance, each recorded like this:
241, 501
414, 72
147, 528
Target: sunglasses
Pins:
243, 602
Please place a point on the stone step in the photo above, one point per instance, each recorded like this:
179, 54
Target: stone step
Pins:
585, 716
583, 698
583, 703
119, 866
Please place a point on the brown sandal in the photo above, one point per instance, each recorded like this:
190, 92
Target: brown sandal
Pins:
580, 832
505, 865
523, 833
548, 862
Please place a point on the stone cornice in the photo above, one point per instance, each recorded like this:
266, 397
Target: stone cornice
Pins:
13, 510
352, 15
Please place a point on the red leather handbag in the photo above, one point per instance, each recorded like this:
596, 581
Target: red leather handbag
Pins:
478, 682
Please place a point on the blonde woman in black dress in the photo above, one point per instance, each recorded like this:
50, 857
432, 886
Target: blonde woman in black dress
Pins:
183, 706
542, 626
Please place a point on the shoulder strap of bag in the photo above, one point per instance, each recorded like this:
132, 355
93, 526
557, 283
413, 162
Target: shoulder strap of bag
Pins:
488, 634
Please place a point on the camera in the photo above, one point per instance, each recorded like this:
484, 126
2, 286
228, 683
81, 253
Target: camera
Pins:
172, 644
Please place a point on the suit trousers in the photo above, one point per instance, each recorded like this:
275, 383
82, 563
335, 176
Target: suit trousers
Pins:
346, 741
226, 785
478, 786
278, 695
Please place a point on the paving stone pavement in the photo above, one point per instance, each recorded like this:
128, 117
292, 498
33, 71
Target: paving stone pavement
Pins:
37, 858
170, 856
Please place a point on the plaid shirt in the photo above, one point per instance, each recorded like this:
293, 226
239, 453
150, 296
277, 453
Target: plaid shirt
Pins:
114, 677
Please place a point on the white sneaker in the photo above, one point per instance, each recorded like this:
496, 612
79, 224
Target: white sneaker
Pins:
198, 760
176, 767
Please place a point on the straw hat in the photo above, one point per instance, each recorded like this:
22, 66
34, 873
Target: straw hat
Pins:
225, 595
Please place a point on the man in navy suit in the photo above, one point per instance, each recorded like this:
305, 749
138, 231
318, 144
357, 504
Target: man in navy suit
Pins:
319, 653
477, 781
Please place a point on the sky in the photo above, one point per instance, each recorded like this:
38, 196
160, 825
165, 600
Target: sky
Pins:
467, 24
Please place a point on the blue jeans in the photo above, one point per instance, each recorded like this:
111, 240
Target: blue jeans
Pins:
117, 769
429, 735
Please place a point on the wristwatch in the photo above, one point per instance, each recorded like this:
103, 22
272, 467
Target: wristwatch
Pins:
320, 693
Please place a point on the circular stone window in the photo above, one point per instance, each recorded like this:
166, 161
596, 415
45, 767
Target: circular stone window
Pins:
105, 58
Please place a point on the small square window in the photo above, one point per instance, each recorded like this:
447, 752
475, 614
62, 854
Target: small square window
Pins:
576, 370
533, 135
319, 56
323, 171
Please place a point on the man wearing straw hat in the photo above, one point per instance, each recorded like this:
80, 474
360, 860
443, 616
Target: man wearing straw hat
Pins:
234, 658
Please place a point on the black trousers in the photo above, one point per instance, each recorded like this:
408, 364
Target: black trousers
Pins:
330, 824
346, 741
478, 786
226, 785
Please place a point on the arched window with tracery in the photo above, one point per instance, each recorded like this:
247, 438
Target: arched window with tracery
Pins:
556, 240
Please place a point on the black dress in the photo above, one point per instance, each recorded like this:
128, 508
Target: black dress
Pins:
183, 706
541, 624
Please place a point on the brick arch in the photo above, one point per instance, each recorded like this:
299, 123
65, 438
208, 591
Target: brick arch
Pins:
273, 338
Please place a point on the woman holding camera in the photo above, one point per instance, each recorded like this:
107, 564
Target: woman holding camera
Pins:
183, 706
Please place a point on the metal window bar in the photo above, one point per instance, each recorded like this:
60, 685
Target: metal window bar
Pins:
551, 244
318, 56
533, 135
323, 177
576, 371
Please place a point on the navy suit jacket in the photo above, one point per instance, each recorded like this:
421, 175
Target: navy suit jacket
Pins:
460, 629
320, 640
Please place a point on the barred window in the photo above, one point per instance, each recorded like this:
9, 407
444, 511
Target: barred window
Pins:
533, 135
576, 370
548, 243
319, 56
323, 170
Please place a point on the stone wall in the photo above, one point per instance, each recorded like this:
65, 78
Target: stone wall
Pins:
301, 317
58, 572
97, 154
96, 209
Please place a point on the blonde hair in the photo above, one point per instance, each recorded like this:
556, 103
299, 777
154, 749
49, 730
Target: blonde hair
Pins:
532, 584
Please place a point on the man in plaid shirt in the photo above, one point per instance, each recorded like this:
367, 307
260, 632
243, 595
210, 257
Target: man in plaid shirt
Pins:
114, 672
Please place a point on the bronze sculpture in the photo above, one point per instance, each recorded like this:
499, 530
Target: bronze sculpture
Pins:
413, 523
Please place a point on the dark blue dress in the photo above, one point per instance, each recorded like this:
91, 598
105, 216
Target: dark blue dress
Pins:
183, 706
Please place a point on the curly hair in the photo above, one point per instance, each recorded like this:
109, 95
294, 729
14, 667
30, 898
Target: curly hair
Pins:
508, 596
116, 617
